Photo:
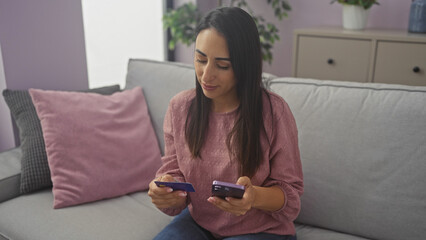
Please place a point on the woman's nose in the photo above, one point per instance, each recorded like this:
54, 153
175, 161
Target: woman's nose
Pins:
209, 73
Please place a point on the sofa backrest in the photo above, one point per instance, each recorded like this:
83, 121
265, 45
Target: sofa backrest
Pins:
363, 151
362, 147
160, 81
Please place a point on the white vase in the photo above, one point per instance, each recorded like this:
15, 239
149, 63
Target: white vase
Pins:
354, 17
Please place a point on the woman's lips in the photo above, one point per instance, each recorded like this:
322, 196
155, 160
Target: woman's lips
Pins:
208, 87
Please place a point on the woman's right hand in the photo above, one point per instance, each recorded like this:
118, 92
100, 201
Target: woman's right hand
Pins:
165, 197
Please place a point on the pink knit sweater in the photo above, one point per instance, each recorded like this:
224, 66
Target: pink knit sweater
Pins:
281, 167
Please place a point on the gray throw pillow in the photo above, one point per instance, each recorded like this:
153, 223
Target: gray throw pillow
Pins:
35, 173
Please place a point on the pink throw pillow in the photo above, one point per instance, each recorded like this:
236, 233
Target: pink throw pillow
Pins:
97, 146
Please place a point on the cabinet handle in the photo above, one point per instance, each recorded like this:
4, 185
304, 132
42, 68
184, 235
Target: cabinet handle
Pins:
330, 61
416, 69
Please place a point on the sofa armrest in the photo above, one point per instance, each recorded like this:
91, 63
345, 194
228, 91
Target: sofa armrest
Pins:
10, 174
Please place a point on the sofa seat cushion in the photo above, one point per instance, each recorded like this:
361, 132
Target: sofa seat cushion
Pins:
306, 232
128, 217
362, 147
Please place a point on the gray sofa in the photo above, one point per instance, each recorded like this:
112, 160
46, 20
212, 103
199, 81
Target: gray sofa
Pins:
363, 150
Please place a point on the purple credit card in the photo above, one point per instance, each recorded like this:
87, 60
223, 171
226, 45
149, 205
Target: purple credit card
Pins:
183, 186
225, 189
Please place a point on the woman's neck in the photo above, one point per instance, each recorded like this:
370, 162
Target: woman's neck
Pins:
226, 106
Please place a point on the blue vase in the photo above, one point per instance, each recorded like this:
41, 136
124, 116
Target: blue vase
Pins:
417, 22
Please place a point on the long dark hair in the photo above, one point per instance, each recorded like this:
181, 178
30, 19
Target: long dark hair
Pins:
242, 37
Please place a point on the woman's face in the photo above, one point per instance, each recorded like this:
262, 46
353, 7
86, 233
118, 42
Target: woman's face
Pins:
214, 70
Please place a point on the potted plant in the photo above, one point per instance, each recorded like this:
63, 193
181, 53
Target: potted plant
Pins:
355, 13
182, 22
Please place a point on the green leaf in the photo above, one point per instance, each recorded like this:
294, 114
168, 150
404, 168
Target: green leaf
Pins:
285, 5
172, 45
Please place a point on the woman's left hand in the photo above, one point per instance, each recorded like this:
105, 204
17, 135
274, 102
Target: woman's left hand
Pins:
237, 207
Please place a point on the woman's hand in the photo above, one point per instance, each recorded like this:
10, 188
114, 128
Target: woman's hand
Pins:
165, 197
237, 206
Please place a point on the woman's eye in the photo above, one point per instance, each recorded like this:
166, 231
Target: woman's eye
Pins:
201, 61
223, 67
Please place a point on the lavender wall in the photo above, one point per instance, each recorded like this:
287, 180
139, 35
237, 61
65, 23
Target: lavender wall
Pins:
184, 53
42, 46
43, 41
391, 14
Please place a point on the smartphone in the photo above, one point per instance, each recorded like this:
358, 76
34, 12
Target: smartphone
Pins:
225, 189
183, 186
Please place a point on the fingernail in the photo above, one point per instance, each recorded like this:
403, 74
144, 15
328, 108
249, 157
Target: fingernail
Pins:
210, 199
183, 194
169, 189
227, 198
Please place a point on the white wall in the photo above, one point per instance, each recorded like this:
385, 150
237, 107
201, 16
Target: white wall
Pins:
118, 30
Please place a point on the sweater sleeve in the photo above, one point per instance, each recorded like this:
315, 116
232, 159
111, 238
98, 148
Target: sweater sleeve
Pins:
169, 160
285, 164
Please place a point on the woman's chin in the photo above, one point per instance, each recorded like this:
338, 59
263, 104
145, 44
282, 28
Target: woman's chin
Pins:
209, 94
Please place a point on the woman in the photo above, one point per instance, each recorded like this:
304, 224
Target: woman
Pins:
229, 129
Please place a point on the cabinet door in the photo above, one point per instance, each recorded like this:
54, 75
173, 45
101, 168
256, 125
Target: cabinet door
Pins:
333, 58
400, 63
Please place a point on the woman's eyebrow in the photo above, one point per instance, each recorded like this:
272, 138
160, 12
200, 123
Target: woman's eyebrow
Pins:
218, 58
198, 51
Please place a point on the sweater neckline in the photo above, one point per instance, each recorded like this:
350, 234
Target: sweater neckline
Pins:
233, 111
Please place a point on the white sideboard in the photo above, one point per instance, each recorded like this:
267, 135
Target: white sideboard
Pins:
382, 56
